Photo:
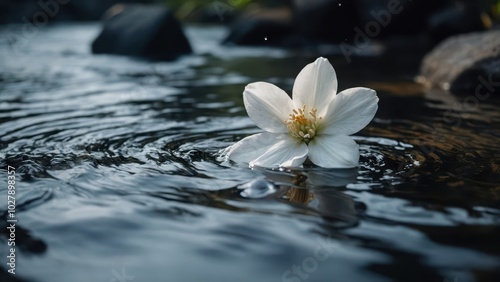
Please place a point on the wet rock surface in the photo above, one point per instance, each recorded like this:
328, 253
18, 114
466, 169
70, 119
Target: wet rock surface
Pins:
144, 31
465, 62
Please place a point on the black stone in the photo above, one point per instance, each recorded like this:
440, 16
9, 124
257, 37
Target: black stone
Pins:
144, 31
258, 32
467, 63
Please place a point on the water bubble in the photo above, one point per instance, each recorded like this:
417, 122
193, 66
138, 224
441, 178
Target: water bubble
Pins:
257, 188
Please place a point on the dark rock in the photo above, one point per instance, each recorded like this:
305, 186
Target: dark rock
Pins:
337, 20
144, 31
357, 22
302, 24
334, 21
457, 19
262, 28
257, 32
463, 63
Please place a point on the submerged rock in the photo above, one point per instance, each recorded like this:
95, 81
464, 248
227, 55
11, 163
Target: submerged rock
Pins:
144, 31
464, 63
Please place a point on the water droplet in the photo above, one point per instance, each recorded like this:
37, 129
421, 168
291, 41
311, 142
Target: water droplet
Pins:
257, 188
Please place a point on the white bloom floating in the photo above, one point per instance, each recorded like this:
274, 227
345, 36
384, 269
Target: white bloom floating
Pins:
316, 123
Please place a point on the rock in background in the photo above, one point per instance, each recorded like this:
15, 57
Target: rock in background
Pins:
263, 27
462, 63
142, 30
313, 22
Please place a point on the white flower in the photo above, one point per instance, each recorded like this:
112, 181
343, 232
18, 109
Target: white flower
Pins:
315, 123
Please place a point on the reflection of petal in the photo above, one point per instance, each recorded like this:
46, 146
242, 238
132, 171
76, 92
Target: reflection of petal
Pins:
331, 177
350, 111
282, 177
301, 186
338, 151
312, 177
315, 86
268, 106
335, 204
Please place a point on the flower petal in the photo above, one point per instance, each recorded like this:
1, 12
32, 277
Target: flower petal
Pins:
251, 147
315, 85
350, 111
337, 151
268, 150
268, 106
287, 152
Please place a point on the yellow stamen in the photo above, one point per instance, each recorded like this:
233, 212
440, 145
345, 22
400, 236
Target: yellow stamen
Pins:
303, 124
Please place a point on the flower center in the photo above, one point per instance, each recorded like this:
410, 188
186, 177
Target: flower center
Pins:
303, 124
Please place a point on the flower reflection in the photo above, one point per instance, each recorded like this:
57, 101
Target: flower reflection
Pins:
302, 196
317, 189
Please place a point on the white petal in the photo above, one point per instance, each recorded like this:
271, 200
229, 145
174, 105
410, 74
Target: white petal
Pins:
339, 151
350, 111
268, 106
251, 147
315, 85
287, 152
268, 150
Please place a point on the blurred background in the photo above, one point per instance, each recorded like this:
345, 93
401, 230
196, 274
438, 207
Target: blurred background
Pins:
318, 20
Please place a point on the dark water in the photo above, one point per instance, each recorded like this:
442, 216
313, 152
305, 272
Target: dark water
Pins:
118, 175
